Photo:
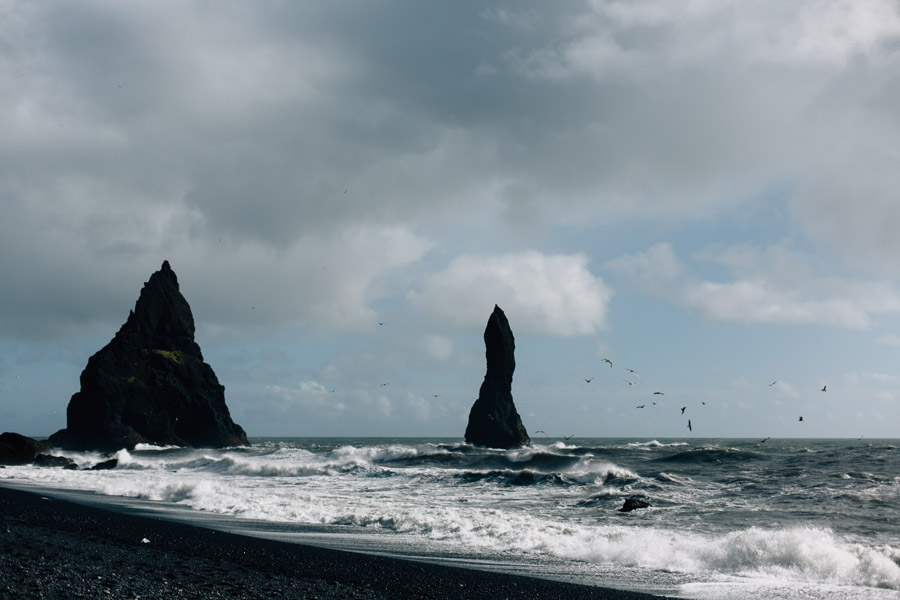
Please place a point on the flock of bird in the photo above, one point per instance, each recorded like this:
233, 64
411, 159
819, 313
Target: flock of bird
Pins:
683, 408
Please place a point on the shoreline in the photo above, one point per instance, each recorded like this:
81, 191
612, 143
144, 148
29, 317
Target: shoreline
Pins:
53, 548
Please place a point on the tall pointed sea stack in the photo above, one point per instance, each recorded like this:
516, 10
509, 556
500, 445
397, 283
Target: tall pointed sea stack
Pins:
149, 384
493, 420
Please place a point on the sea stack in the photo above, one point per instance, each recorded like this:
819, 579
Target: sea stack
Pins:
149, 384
493, 420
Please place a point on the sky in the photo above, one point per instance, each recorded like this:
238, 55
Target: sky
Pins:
706, 192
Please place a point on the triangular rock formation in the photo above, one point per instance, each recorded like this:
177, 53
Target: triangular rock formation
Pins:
150, 384
493, 420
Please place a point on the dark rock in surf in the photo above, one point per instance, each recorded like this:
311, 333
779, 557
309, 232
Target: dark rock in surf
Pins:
149, 384
16, 449
633, 503
49, 460
493, 420
106, 465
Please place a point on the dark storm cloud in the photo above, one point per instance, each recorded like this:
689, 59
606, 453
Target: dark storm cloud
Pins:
222, 135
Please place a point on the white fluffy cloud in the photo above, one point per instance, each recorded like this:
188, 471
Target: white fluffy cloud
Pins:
438, 346
768, 285
552, 294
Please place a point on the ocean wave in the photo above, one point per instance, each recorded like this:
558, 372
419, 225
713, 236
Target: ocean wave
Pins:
672, 478
512, 477
803, 554
153, 448
549, 501
655, 444
792, 554
709, 455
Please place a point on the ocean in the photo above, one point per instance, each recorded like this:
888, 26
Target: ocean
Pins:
728, 518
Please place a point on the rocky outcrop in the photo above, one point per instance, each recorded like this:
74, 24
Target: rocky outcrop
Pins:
50, 460
633, 503
149, 384
17, 449
493, 420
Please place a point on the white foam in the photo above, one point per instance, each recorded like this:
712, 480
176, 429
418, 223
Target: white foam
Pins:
590, 470
346, 486
655, 444
153, 447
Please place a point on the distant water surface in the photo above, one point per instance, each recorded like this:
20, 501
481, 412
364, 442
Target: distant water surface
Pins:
730, 518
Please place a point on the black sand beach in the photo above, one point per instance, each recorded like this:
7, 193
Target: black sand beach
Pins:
57, 549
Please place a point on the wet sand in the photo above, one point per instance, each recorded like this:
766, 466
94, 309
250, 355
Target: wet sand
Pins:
51, 548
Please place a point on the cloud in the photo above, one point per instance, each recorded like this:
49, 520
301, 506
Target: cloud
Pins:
306, 395
250, 123
769, 285
756, 301
550, 294
328, 279
889, 339
438, 346
316, 399
657, 268
858, 378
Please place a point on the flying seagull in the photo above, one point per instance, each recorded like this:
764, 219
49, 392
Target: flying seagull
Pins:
765, 440
568, 437
589, 380
689, 426
683, 408
823, 387
801, 418
773, 383
641, 406
628, 382
658, 394
606, 360
633, 371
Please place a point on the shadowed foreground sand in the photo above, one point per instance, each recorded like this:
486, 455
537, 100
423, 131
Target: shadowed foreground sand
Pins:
56, 549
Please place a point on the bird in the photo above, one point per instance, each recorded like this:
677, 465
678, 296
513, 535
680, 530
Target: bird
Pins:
568, 437
765, 440
801, 418
628, 382
589, 380
380, 323
435, 395
542, 431
606, 360
658, 394
823, 387
384, 384
773, 383
683, 408
632, 371
689, 426
641, 406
